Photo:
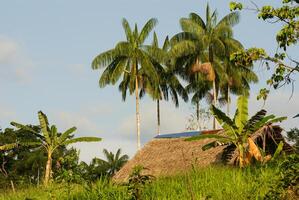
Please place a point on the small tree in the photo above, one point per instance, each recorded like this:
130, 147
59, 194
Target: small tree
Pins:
113, 162
50, 139
237, 131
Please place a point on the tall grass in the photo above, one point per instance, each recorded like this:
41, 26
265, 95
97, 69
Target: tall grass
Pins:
215, 182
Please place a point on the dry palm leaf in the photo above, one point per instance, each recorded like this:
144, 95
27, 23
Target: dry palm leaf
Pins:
205, 68
254, 150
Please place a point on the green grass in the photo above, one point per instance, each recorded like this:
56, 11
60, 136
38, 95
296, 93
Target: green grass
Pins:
217, 182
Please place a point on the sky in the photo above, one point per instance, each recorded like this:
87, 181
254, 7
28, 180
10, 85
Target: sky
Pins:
46, 50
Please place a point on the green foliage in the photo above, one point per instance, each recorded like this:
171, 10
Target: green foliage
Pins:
287, 36
287, 179
293, 136
235, 6
215, 182
50, 139
137, 182
238, 130
112, 164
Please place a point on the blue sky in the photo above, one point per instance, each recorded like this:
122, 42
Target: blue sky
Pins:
46, 48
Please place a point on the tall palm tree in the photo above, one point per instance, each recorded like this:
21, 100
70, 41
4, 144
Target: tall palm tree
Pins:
51, 140
236, 80
201, 45
130, 60
113, 162
199, 88
169, 85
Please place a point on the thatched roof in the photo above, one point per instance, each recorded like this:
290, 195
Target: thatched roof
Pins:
169, 156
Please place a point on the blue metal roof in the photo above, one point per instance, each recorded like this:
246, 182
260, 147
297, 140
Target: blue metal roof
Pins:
179, 135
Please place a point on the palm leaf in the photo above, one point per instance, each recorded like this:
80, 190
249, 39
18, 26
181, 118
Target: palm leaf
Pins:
148, 27
127, 29
81, 139
24, 127
103, 59
227, 124
43, 120
241, 115
250, 125
209, 145
7, 147
66, 134
205, 136
278, 150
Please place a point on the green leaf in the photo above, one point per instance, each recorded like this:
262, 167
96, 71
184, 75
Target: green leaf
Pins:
148, 27
209, 146
278, 150
241, 115
253, 120
81, 139
43, 120
66, 135
24, 127
227, 124
7, 147
205, 136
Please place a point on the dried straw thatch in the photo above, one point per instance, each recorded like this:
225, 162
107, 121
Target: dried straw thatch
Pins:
164, 157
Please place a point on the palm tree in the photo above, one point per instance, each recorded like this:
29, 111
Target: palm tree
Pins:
130, 60
201, 46
169, 85
199, 88
239, 129
236, 79
113, 162
50, 139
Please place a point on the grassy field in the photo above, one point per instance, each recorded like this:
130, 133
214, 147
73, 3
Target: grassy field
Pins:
218, 182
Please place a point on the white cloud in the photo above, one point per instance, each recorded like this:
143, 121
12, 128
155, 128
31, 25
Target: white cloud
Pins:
67, 120
14, 64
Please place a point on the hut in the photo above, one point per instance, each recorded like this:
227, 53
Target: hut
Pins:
170, 154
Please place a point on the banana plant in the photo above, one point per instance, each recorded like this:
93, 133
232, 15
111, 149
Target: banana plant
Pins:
237, 131
51, 139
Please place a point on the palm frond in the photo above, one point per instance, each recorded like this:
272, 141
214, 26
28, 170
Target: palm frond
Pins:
127, 29
81, 139
241, 115
148, 27
44, 124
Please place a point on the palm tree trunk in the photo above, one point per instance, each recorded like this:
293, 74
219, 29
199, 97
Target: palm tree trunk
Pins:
158, 116
48, 169
228, 101
214, 102
137, 112
12, 186
197, 115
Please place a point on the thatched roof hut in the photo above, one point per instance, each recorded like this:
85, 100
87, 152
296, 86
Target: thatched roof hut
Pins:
171, 154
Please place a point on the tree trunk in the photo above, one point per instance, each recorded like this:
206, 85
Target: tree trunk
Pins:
197, 115
38, 176
228, 100
241, 156
158, 116
12, 186
214, 102
48, 169
137, 112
